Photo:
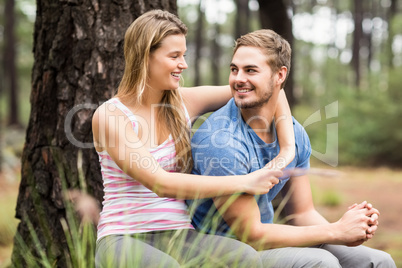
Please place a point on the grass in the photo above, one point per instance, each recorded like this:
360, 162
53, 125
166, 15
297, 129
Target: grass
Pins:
81, 238
328, 197
8, 224
331, 197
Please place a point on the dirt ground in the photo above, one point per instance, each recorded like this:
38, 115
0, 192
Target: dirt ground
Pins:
380, 186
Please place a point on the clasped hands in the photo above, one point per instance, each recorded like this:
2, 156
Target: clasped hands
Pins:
359, 223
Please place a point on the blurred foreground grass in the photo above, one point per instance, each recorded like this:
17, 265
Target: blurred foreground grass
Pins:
11, 142
332, 196
8, 199
8, 224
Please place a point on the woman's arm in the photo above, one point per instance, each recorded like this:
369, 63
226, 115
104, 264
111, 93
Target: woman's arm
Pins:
286, 135
203, 99
118, 138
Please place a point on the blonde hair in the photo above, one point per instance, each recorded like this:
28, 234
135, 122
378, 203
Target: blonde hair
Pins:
142, 37
275, 47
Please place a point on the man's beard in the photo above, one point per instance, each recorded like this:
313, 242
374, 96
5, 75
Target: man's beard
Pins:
257, 103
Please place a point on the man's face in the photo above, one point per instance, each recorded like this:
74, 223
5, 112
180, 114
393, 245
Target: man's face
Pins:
251, 78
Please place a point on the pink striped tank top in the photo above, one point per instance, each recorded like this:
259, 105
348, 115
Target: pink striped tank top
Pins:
128, 206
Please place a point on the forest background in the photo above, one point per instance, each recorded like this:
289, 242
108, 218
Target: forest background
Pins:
345, 91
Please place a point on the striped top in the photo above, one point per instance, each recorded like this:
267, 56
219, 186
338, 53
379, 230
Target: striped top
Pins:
128, 206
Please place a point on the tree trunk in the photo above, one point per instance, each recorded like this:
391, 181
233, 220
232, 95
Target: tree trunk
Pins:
370, 13
391, 33
242, 25
274, 15
78, 52
357, 38
198, 44
10, 69
216, 55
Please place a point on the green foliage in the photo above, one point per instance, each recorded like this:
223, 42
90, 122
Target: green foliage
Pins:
370, 129
396, 23
327, 198
81, 240
331, 199
370, 132
80, 237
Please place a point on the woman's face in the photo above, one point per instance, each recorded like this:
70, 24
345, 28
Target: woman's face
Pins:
167, 63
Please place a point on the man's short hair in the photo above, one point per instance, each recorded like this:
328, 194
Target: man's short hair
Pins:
274, 46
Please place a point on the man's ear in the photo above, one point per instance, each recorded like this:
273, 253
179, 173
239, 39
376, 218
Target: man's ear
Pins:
281, 74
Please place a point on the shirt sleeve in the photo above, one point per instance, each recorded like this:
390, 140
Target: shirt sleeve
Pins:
303, 149
220, 155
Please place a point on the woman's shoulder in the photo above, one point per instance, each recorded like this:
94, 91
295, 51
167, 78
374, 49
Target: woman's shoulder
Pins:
110, 107
110, 118
106, 111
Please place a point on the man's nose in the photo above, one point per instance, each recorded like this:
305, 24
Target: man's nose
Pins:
241, 77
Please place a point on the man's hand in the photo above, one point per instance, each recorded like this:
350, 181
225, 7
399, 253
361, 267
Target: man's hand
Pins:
373, 222
358, 224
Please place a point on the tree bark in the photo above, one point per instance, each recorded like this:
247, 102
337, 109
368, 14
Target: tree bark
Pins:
198, 44
357, 38
242, 25
10, 68
78, 63
393, 9
216, 55
274, 16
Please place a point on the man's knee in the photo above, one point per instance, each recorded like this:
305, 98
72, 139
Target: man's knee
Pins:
299, 257
250, 258
243, 256
381, 260
361, 257
319, 258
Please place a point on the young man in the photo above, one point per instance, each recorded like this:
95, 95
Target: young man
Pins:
240, 138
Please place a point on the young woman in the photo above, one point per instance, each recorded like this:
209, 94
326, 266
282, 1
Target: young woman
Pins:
142, 138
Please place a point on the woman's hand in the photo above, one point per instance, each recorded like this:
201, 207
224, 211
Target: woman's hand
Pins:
261, 181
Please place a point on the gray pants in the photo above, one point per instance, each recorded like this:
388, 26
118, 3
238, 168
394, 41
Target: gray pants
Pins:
327, 256
182, 248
